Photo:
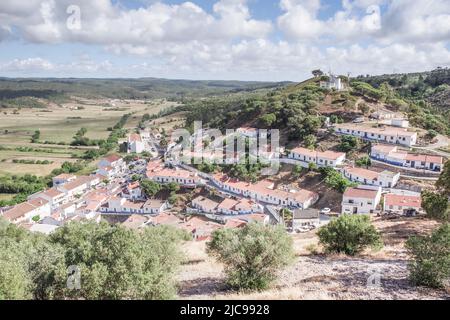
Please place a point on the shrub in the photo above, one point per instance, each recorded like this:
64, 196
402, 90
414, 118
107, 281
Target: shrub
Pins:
150, 188
349, 234
335, 180
252, 255
364, 162
435, 205
297, 171
430, 263
117, 263
114, 262
348, 143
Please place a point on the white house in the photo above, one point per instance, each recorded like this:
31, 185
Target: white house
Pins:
78, 186
399, 203
117, 205
135, 143
394, 156
63, 178
238, 207
111, 166
26, 211
385, 179
264, 191
333, 82
321, 159
133, 191
361, 200
386, 134
177, 175
54, 196
305, 218
205, 205
402, 123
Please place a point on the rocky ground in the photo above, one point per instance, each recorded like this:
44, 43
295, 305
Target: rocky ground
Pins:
374, 275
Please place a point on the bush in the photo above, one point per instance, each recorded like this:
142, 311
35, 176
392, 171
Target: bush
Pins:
349, 234
430, 263
348, 143
364, 162
150, 188
335, 180
114, 262
435, 205
252, 255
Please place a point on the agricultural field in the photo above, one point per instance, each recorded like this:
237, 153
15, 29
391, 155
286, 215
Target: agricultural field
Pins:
58, 124
168, 123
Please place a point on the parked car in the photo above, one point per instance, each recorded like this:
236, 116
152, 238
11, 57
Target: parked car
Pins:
325, 211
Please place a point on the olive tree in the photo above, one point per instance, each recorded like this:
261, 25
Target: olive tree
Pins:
349, 234
252, 255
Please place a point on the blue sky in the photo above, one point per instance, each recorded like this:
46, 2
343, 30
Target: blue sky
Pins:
221, 39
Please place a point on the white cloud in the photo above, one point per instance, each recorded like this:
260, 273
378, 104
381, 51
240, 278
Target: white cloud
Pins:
417, 21
30, 64
300, 21
253, 59
184, 40
105, 23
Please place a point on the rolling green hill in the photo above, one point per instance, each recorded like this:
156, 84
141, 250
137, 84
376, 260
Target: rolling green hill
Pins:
145, 88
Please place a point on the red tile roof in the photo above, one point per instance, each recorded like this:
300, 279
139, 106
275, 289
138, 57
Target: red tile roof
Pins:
403, 201
360, 193
112, 158
22, 209
363, 173
319, 154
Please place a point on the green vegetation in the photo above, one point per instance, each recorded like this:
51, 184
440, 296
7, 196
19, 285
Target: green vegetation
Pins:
310, 141
25, 185
27, 101
17, 92
367, 90
252, 255
335, 180
22, 186
22, 161
294, 113
443, 184
145, 118
424, 96
36, 136
430, 263
150, 188
435, 205
297, 171
349, 143
349, 234
113, 262
364, 162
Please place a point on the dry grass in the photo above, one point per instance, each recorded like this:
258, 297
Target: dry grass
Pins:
59, 124
318, 277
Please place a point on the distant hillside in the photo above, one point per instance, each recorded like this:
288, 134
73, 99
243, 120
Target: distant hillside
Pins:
426, 94
145, 88
300, 109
